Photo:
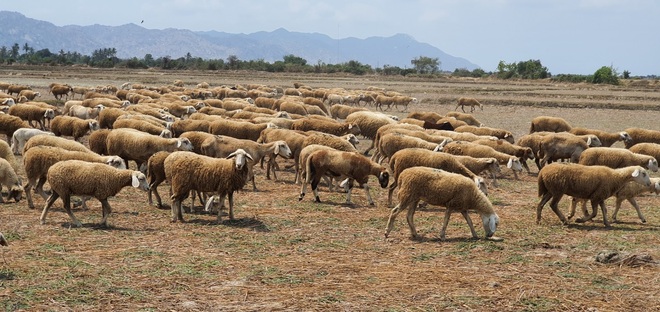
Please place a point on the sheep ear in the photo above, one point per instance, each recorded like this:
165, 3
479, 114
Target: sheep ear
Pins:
178, 143
350, 126
589, 141
135, 182
277, 149
510, 163
635, 173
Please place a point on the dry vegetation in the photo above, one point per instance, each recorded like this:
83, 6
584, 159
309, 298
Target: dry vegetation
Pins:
282, 254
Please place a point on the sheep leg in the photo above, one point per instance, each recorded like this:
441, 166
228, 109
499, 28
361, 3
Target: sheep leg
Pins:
230, 198
28, 193
67, 207
106, 211
410, 218
603, 208
154, 189
348, 193
390, 192
469, 222
546, 197
445, 223
176, 210
594, 206
632, 202
493, 176
553, 204
49, 203
455, 108
366, 189
39, 188
390, 221
524, 164
315, 189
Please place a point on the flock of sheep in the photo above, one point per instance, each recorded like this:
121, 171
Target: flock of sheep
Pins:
205, 142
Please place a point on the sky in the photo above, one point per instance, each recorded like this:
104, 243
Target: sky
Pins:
567, 36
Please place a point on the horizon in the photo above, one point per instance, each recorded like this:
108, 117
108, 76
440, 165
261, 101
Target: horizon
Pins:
568, 37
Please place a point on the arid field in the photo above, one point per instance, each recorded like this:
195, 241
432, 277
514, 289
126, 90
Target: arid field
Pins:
281, 254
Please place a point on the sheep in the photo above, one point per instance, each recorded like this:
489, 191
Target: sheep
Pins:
21, 136
425, 116
560, 146
335, 128
480, 151
97, 141
293, 108
181, 126
606, 138
402, 100
10, 179
411, 157
452, 121
75, 177
479, 165
8, 102
336, 142
222, 146
465, 101
467, 118
15, 88
48, 140
460, 136
617, 158
196, 139
332, 99
78, 90
369, 122
523, 153
131, 144
83, 112
428, 125
391, 143
29, 94
651, 149
551, 124
594, 183
498, 133
31, 113
38, 159
318, 103
639, 135
143, 126
438, 187
339, 111
156, 175
628, 192
97, 95
108, 116
294, 139
187, 171
59, 90
352, 165
164, 121
237, 129
7, 154
110, 103
73, 126
384, 100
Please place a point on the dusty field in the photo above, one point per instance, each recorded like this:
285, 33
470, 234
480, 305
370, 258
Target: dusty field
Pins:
282, 254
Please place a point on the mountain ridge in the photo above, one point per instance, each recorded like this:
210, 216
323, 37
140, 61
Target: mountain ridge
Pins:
131, 40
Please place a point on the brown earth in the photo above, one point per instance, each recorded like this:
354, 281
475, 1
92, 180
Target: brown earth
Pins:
282, 254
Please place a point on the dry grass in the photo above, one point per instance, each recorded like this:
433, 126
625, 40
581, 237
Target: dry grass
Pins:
282, 254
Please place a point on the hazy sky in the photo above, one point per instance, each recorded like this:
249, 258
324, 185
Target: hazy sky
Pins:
568, 36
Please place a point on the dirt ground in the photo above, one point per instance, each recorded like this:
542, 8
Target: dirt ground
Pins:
284, 254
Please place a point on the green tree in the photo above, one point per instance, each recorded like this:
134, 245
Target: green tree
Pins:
15, 49
295, 60
426, 65
606, 74
233, 62
626, 74
531, 69
26, 48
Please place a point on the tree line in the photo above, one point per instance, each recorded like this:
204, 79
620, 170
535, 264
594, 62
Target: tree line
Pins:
420, 66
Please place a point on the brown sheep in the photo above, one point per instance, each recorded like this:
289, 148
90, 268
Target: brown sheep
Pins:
465, 101
73, 126
551, 124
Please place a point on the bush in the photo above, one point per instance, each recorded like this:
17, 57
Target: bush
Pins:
606, 74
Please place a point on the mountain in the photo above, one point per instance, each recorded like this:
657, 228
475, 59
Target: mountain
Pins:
132, 40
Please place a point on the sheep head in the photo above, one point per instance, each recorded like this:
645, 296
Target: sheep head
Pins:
481, 184
383, 177
282, 149
184, 144
490, 222
139, 180
116, 162
652, 165
15, 192
240, 156
625, 137
640, 176
514, 164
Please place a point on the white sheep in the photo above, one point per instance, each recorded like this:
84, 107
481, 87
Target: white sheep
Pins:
76, 177
187, 171
83, 112
10, 179
350, 165
22, 135
438, 187
594, 183
465, 101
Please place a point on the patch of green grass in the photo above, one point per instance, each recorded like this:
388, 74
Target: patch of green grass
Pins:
424, 257
53, 247
539, 304
335, 297
6, 274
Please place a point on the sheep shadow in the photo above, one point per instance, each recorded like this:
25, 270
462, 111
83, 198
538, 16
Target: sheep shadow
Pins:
95, 226
425, 239
613, 227
256, 225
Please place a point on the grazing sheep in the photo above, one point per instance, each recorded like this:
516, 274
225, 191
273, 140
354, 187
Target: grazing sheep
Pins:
617, 158
467, 118
651, 149
369, 122
384, 100
628, 192
238, 129
181, 126
59, 90
404, 101
391, 143
472, 102
187, 171
196, 139
138, 146
49, 140
425, 116
15, 88
498, 133
21, 136
97, 141
318, 103
10, 179
437, 187
460, 136
75, 177
606, 138
7, 154
550, 124
83, 112
143, 126
479, 165
639, 135
335, 128
294, 139
109, 103
452, 121
561, 146
156, 175
411, 157
38, 159
339, 111
32, 113
73, 126
108, 116
523, 153
29, 94
336, 142
346, 164
223, 146
428, 125
482, 151
594, 183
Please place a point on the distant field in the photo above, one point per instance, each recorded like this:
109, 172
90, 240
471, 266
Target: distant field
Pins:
282, 254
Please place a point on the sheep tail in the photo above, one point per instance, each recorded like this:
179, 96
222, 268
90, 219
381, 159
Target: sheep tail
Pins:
542, 187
